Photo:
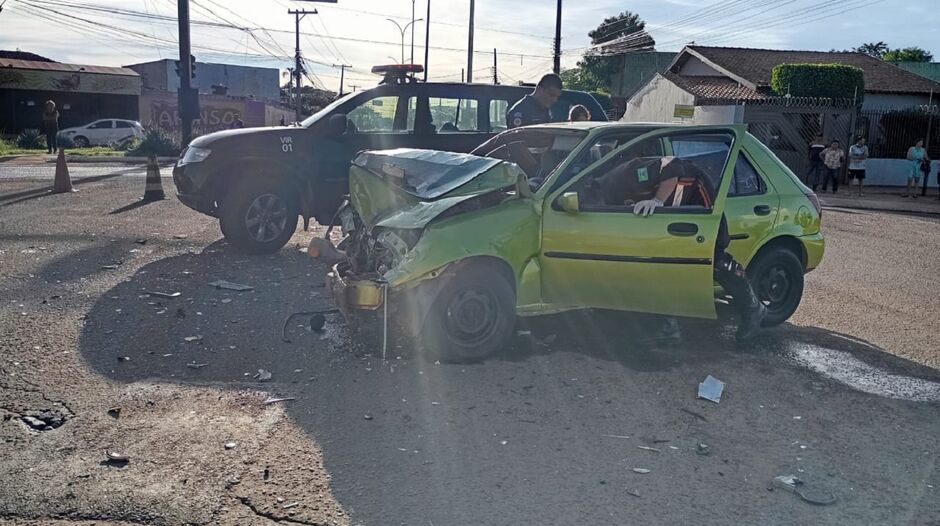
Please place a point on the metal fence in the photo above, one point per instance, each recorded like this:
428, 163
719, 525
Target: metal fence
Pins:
891, 132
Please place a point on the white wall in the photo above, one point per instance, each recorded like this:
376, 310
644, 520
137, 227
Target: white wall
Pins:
883, 101
656, 101
695, 67
894, 172
719, 114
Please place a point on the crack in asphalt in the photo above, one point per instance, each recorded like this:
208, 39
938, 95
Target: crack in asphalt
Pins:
246, 501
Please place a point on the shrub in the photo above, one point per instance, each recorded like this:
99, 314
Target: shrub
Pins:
833, 81
155, 142
31, 139
65, 141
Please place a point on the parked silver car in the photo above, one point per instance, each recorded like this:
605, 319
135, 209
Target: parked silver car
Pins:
103, 132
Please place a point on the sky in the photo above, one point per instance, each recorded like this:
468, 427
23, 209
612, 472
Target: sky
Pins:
358, 32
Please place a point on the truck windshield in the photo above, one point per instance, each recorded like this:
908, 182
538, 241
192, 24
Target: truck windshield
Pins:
327, 110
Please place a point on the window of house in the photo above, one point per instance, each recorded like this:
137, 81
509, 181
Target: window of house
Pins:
454, 115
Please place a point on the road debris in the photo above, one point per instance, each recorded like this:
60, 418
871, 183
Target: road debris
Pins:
231, 445
140, 241
317, 322
123, 358
270, 401
262, 376
164, 294
228, 285
794, 484
117, 459
192, 338
114, 412
615, 436
647, 448
702, 449
180, 236
693, 413
367, 416
290, 505
109, 267
710, 389
633, 492
322, 312
194, 365
641, 471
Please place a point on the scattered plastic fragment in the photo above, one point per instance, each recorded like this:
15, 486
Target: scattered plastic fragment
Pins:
270, 401
117, 459
367, 416
647, 448
615, 436
192, 338
228, 285
702, 449
710, 389
194, 365
642, 471
263, 376
230, 445
793, 484
290, 505
165, 294
109, 267
633, 492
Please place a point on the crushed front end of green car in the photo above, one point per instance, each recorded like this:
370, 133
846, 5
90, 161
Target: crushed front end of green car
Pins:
450, 247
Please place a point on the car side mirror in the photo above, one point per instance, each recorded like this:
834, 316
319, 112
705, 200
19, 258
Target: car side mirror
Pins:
568, 202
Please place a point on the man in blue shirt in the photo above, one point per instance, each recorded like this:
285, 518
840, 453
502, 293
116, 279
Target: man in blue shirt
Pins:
534, 108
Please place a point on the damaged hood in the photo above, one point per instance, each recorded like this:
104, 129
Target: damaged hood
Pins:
408, 188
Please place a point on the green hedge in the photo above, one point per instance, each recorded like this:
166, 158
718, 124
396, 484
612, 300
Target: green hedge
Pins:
834, 81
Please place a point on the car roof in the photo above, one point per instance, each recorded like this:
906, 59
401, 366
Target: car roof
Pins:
615, 125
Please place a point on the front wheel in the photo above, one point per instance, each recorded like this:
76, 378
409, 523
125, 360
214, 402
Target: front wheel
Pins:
472, 317
80, 142
777, 278
259, 215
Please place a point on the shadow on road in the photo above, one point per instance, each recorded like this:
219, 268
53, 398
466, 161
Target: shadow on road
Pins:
26, 195
547, 433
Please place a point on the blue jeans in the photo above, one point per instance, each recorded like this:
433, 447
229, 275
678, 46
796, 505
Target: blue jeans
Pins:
833, 174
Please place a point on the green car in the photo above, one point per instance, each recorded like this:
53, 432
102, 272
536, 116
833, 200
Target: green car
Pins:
452, 247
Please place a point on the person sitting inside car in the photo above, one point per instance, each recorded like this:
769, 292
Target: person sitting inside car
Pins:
653, 180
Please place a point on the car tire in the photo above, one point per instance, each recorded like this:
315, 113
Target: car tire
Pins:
80, 142
777, 278
472, 317
259, 215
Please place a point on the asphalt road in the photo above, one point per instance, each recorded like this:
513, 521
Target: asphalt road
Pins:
548, 433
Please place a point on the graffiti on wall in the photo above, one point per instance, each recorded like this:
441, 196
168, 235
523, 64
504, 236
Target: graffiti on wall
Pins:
213, 115
69, 81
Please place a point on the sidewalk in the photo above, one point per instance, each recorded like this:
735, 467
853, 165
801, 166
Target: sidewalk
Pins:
884, 199
37, 159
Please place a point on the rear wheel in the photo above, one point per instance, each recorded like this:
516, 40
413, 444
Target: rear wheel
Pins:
80, 142
472, 316
777, 278
259, 215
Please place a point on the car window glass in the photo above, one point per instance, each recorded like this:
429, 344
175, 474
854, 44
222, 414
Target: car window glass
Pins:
536, 151
498, 115
617, 183
100, 125
122, 124
746, 180
595, 152
454, 115
378, 115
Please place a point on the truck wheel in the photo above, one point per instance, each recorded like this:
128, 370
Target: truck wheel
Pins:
259, 215
471, 318
777, 279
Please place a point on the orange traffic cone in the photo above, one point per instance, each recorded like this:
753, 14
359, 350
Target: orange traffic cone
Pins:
154, 186
63, 182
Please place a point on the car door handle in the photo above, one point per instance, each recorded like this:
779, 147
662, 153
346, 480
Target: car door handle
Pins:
683, 229
762, 210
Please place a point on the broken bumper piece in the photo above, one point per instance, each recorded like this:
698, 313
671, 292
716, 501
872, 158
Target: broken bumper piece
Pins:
350, 295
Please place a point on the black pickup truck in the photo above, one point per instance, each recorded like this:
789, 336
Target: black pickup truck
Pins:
257, 181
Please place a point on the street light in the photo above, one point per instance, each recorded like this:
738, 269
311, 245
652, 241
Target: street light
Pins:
403, 30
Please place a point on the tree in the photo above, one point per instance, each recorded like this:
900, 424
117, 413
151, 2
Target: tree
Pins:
874, 49
908, 54
312, 99
594, 70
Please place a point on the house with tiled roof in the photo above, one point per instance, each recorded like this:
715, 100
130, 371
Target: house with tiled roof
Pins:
718, 81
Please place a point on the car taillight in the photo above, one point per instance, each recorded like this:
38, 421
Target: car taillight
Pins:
815, 200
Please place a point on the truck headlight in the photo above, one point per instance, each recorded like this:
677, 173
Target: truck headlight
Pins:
194, 155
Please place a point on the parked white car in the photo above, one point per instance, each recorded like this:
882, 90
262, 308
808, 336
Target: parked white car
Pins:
103, 132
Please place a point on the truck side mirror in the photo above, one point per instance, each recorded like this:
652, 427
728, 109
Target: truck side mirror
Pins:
568, 202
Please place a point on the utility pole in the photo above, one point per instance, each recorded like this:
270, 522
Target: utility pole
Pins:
299, 71
495, 78
427, 39
470, 46
354, 86
412, 32
557, 52
342, 70
186, 110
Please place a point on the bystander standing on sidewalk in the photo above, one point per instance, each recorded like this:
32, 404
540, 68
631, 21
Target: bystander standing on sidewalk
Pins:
920, 165
858, 154
816, 166
832, 157
50, 126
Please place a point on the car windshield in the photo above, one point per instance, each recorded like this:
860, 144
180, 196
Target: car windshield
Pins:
537, 151
327, 110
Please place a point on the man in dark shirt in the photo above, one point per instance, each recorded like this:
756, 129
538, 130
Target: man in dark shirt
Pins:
534, 108
660, 176
816, 166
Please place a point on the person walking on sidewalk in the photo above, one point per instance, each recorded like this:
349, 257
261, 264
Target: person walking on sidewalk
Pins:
832, 157
858, 154
816, 166
50, 126
917, 155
